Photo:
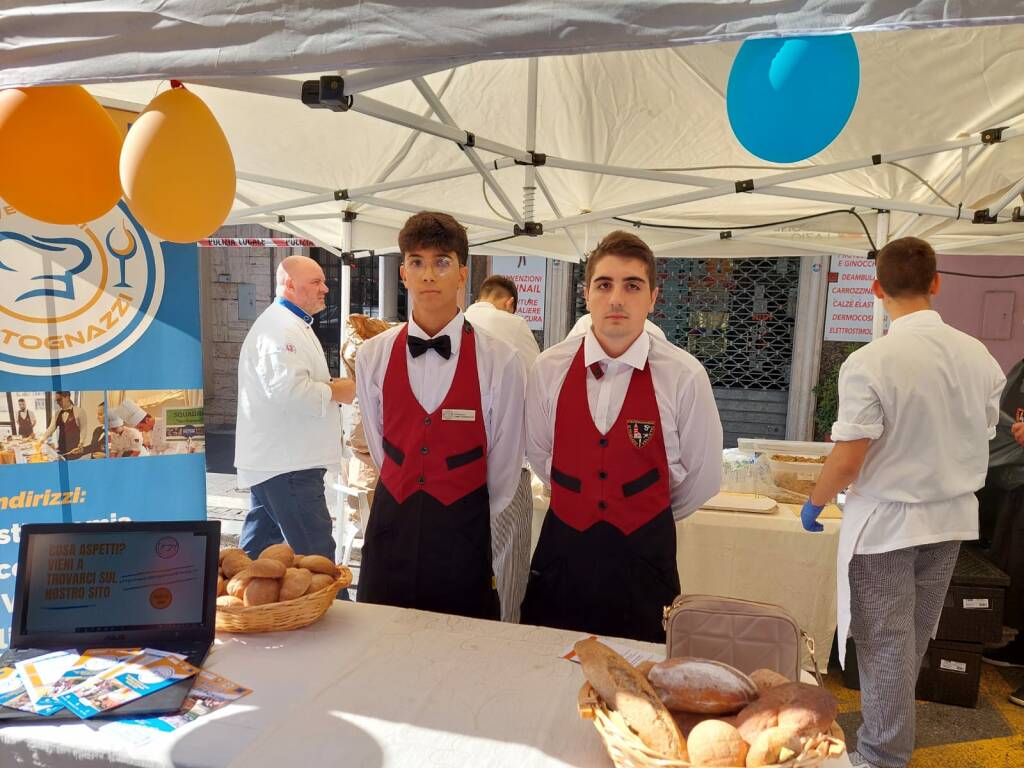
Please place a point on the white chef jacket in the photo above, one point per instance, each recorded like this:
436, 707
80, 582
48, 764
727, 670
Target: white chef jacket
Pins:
927, 395
129, 441
507, 327
585, 323
286, 418
690, 425
502, 390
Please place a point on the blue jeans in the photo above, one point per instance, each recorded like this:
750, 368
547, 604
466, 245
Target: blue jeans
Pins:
290, 507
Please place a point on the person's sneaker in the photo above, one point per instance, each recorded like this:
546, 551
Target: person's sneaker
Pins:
1017, 697
1011, 655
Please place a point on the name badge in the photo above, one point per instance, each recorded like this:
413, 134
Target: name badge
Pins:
458, 414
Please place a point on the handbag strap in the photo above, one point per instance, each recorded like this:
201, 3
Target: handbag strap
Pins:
809, 642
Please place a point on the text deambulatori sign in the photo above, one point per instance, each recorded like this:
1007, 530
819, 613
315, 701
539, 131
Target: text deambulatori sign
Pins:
851, 305
528, 273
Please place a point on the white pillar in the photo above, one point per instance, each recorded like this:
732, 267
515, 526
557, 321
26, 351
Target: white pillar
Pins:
807, 338
387, 287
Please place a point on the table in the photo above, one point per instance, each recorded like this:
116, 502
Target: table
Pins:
366, 687
769, 558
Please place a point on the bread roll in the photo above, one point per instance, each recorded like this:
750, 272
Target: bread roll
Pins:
222, 586
234, 562
318, 582
229, 551
687, 721
628, 692
236, 584
280, 552
702, 686
295, 583
766, 679
804, 709
267, 569
229, 601
319, 564
773, 746
714, 744
296, 560
261, 592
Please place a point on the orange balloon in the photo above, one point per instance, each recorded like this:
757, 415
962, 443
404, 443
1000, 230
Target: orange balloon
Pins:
58, 154
177, 169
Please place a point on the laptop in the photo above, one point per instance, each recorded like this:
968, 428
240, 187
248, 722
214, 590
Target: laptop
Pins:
115, 585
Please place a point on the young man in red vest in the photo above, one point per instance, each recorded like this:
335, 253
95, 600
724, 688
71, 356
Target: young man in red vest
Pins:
623, 427
442, 407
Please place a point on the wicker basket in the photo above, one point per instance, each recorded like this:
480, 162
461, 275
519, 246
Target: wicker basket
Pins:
278, 617
627, 751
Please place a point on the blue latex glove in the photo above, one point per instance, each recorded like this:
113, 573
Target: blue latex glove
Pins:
809, 517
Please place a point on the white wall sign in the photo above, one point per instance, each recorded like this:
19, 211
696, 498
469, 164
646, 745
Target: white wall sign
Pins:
850, 307
528, 273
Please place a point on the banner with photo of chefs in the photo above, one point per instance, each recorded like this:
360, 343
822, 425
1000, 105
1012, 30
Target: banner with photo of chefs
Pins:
100, 362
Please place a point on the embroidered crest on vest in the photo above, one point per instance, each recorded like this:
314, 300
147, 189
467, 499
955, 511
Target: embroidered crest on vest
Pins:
640, 432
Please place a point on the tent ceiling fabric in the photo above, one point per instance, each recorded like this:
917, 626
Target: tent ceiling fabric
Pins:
662, 108
122, 40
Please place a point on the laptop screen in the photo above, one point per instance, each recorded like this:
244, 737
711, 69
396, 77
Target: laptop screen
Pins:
95, 579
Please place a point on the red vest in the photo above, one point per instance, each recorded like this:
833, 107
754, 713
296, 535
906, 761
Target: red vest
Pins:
443, 453
621, 477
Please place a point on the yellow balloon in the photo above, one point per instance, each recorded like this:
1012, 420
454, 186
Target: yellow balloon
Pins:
177, 169
58, 154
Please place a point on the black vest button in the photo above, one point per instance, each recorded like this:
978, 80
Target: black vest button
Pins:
422, 480
602, 505
427, 421
424, 449
603, 442
603, 475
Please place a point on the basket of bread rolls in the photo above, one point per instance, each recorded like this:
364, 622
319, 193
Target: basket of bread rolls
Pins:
277, 591
698, 713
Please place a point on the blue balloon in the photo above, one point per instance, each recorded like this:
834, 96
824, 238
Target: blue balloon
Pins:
788, 98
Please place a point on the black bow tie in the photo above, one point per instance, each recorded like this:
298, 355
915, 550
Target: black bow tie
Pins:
440, 344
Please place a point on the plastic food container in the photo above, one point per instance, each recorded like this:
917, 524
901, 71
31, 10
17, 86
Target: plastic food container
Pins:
796, 473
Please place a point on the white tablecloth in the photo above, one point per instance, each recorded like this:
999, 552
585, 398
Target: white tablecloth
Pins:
769, 558
366, 687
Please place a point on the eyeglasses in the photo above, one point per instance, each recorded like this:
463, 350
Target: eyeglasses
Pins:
441, 265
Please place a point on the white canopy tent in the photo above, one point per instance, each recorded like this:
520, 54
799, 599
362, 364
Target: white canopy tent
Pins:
583, 116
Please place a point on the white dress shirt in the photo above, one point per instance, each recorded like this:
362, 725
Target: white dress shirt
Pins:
286, 418
507, 327
586, 322
927, 396
690, 424
502, 387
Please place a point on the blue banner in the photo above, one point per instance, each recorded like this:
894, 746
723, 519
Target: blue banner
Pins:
101, 409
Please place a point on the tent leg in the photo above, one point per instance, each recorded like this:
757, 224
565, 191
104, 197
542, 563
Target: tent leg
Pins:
881, 238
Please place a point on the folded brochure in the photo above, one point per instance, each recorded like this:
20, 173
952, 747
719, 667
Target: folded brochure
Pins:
91, 663
37, 675
141, 675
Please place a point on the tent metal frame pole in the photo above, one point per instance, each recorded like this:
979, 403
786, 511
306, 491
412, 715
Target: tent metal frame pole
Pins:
521, 251
801, 245
271, 181
500, 226
878, 311
296, 230
555, 209
967, 159
364, 105
474, 157
343, 194
1006, 199
530, 171
286, 87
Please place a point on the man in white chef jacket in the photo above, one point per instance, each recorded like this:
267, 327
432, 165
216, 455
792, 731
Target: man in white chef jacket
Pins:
288, 427
495, 313
916, 411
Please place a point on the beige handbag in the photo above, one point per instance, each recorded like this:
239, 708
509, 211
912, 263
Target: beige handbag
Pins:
741, 633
